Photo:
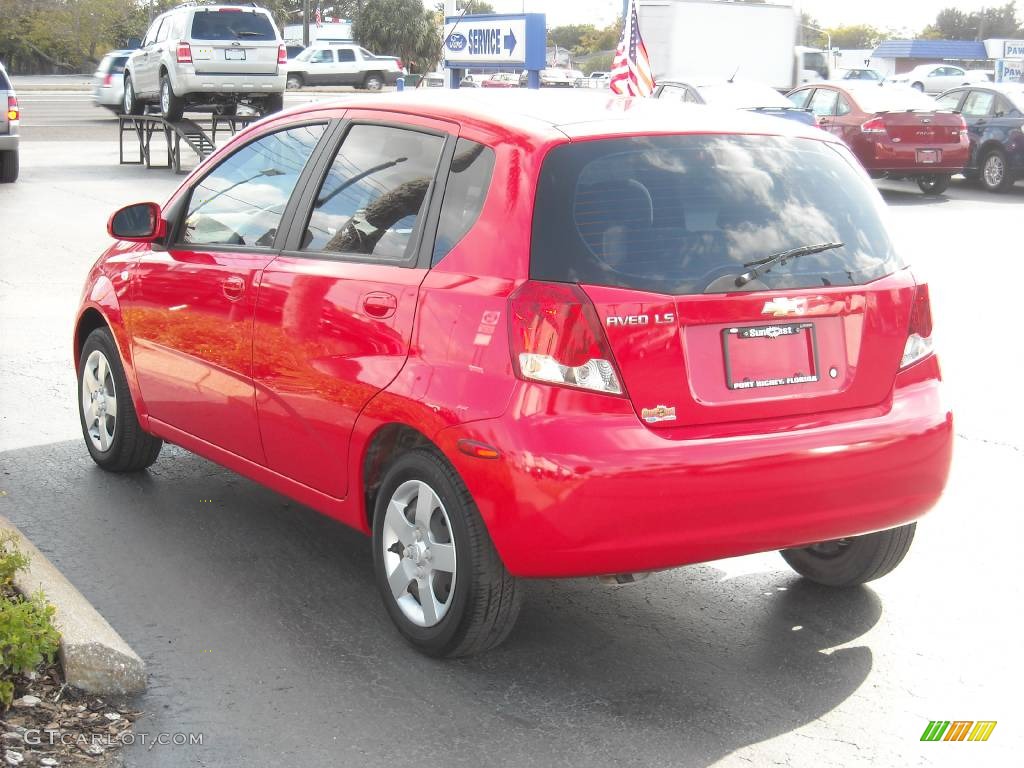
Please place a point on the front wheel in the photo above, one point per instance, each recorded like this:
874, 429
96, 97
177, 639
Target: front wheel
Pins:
294, 82
171, 107
441, 579
994, 174
918, 86
934, 185
373, 82
854, 560
110, 424
131, 105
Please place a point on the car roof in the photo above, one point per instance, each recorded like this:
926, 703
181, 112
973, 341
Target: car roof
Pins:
545, 115
998, 87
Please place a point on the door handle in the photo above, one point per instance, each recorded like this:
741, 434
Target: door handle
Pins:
380, 305
233, 287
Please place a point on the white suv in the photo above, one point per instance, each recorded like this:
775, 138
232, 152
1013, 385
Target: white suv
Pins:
207, 56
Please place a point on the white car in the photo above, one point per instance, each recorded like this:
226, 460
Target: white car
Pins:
207, 56
108, 81
343, 64
938, 78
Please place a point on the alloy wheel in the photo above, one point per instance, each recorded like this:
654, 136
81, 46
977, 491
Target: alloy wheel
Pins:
165, 97
994, 171
129, 97
419, 553
99, 401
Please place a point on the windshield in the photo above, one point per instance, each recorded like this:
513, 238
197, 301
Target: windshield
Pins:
678, 214
892, 99
232, 25
742, 96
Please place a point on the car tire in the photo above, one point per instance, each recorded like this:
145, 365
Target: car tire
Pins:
273, 103
852, 561
934, 185
10, 165
171, 107
294, 82
423, 503
373, 81
131, 105
994, 171
113, 436
918, 86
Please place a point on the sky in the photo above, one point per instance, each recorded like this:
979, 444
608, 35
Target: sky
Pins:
912, 15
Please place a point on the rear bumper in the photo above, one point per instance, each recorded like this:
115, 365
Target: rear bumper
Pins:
592, 491
903, 158
8, 142
213, 84
111, 96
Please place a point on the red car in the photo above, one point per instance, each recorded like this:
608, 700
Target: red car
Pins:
501, 80
895, 132
516, 337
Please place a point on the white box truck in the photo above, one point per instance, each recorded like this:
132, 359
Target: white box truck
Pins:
712, 38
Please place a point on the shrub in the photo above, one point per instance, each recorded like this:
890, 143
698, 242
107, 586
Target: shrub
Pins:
27, 635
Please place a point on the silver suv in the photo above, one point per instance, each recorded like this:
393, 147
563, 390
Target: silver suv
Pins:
208, 56
9, 118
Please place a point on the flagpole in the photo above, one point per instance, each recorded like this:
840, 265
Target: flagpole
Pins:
305, 23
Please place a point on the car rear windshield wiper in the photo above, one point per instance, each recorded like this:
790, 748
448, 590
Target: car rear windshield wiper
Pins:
762, 265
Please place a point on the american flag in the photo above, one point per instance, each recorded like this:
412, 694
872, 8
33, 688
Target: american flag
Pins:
319, 16
631, 67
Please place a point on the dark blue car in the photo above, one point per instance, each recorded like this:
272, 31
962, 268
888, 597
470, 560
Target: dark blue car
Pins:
732, 94
994, 114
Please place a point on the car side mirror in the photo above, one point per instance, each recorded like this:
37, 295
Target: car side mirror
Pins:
139, 223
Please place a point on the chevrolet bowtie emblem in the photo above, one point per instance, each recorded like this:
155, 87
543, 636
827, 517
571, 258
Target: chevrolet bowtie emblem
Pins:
783, 307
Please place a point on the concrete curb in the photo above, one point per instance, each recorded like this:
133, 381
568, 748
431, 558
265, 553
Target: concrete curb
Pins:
95, 658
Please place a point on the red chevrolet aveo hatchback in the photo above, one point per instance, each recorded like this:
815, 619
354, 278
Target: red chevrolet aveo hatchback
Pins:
523, 337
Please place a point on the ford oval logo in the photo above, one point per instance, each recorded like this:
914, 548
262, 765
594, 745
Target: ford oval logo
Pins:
456, 42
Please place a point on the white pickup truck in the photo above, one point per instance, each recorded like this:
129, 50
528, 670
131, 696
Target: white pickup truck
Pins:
343, 64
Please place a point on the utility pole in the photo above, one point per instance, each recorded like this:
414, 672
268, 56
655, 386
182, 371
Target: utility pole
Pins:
305, 23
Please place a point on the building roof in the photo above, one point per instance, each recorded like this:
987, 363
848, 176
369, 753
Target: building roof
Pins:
931, 49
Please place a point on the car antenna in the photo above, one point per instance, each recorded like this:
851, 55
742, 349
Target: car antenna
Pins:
734, 74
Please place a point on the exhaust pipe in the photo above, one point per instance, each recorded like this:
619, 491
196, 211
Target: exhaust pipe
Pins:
621, 579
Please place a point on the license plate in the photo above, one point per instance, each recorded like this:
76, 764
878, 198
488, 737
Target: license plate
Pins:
763, 356
928, 156
234, 54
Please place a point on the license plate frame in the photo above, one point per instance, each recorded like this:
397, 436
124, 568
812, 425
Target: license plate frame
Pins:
766, 334
234, 54
929, 156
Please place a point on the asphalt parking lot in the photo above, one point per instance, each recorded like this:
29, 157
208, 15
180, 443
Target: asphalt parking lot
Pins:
262, 629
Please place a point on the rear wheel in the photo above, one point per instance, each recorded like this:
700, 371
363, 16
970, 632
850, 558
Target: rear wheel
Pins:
995, 175
110, 424
9, 166
934, 185
171, 107
273, 103
852, 561
131, 106
918, 86
373, 81
441, 579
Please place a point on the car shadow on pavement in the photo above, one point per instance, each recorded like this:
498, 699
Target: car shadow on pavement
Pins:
261, 628
908, 197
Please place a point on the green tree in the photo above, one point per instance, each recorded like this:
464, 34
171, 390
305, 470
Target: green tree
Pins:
605, 39
570, 36
856, 36
475, 6
811, 33
953, 24
400, 27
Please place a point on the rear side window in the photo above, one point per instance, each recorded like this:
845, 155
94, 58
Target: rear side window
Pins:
464, 195
345, 55
684, 214
242, 200
232, 25
117, 65
371, 199
978, 104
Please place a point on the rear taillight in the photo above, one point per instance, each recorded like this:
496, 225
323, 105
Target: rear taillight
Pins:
400, 63
919, 335
282, 54
184, 53
556, 337
875, 125
107, 80
13, 113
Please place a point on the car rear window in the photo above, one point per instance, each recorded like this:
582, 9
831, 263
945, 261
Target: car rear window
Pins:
681, 214
232, 25
893, 99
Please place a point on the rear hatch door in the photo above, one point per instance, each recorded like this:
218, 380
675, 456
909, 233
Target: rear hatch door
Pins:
923, 128
664, 234
231, 41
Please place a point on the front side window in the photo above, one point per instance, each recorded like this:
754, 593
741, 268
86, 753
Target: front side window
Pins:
678, 214
799, 98
242, 200
373, 194
823, 103
322, 57
153, 33
468, 181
